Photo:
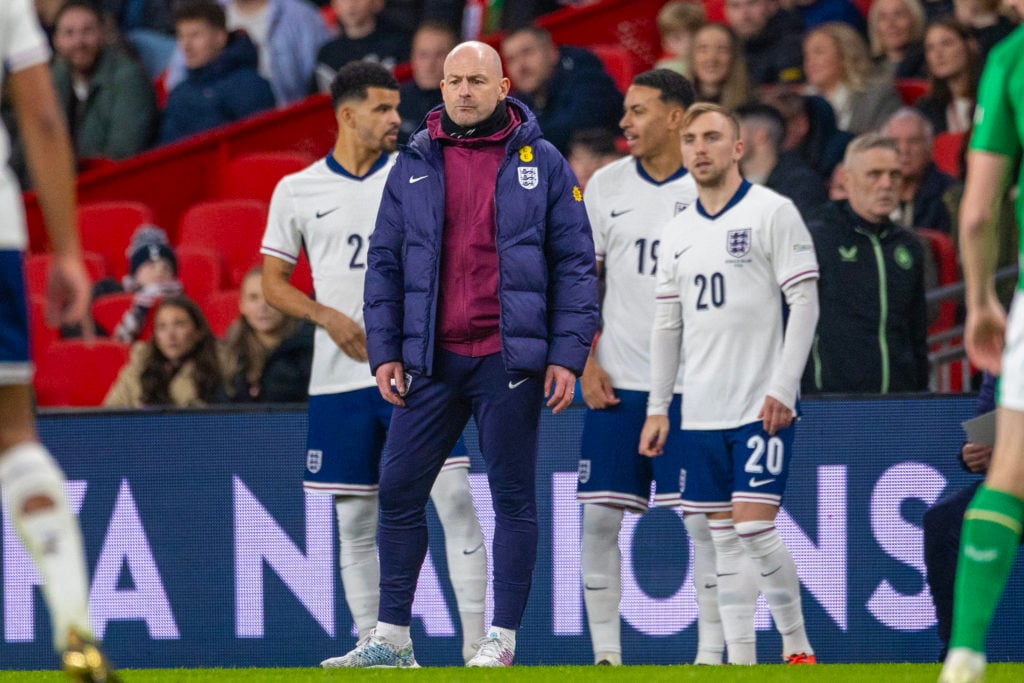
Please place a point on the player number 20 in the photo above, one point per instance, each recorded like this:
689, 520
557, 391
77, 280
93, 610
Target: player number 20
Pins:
772, 453
357, 263
710, 288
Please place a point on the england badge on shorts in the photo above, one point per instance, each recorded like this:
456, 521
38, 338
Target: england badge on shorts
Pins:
737, 242
314, 460
584, 471
528, 177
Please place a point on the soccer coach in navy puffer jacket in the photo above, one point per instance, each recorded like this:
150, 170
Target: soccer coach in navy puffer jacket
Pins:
480, 299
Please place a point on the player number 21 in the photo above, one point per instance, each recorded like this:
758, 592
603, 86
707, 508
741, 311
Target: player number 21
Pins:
772, 453
710, 288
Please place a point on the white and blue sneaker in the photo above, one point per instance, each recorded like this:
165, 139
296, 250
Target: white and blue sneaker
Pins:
373, 652
963, 666
493, 651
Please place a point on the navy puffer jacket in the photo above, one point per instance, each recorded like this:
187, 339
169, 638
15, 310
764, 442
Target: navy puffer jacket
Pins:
547, 284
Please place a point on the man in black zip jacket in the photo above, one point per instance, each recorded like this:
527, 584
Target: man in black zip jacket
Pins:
872, 331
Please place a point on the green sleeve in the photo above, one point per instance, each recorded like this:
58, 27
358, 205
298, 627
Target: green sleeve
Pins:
996, 120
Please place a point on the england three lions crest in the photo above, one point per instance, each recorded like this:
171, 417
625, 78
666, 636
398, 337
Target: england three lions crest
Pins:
528, 177
737, 242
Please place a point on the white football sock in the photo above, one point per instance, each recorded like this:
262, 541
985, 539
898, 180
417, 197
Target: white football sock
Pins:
465, 550
397, 635
601, 566
737, 592
507, 636
710, 637
360, 571
778, 581
50, 533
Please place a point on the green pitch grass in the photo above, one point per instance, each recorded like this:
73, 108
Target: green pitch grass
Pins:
854, 673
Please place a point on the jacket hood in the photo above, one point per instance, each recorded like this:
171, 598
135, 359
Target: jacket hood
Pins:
525, 133
239, 53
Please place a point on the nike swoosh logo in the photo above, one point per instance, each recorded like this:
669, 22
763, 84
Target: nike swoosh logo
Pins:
513, 385
710, 585
754, 483
729, 574
415, 179
766, 574
321, 214
616, 214
595, 588
470, 551
682, 251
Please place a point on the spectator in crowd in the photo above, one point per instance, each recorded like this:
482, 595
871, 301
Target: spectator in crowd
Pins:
763, 131
872, 332
590, 150
953, 73
567, 88
430, 45
923, 186
771, 40
223, 84
719, 69
896, 34
984, 21
178, 366
287, 35
267, 355
152, 275
934, 9
363, 35
108, 99
817, 12
943, 522
148, 25
811, 129
678, 22
837, 67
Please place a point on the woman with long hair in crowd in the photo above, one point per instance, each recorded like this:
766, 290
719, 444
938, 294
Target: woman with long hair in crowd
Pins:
953, 72
266, 355
837, 67
177, 367
896, 34
719, 67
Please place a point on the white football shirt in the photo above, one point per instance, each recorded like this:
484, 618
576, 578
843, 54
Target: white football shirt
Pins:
628, 210
727, 273
331, 214
22, 45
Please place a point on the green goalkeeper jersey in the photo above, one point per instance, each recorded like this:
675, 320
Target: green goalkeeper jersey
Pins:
999, 116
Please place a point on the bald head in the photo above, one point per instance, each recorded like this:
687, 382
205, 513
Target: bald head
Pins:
473, 83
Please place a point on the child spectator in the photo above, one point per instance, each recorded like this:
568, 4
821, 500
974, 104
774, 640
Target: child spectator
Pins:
267, 355
678, 22
177, 367
152, 275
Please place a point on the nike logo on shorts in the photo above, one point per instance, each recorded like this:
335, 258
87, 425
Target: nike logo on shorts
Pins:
470, 551
766, 574
513, 385
754, 483
415, 179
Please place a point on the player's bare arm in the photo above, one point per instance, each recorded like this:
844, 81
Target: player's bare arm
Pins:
51, 163
985, 328
287, 298
559, 386
653, 435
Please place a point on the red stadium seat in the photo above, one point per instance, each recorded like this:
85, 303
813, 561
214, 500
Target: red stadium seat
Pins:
37, 270
107, 228
107, 311
79, 373
221, 309
231, 227
200, 272
40, 335
254, 176
944, 252
910, 89
946, 152
618, 62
